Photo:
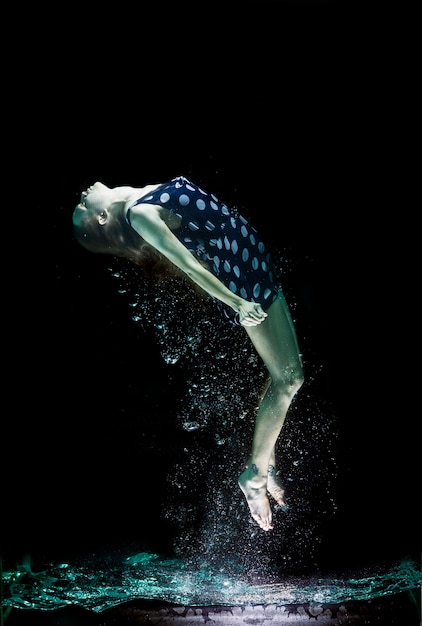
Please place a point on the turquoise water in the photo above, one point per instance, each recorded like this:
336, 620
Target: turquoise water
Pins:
98, 583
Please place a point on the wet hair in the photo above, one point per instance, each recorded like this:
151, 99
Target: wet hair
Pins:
111, 238
118, 239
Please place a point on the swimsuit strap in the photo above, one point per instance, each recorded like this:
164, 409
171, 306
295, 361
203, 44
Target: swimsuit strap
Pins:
178, 179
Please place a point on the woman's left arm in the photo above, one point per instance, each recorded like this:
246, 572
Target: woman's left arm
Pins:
148, 223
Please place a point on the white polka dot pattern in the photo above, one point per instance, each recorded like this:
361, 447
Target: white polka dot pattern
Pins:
230, 247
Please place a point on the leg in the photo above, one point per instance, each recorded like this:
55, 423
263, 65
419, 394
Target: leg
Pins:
276, 343
274, 485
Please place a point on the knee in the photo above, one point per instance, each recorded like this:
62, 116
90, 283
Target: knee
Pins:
289, 381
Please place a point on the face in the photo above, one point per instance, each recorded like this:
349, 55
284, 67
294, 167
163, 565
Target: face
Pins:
93, 204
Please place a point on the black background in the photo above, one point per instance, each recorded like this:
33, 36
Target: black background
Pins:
285, 112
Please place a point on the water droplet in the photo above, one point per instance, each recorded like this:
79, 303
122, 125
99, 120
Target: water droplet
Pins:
190, 426
171, 360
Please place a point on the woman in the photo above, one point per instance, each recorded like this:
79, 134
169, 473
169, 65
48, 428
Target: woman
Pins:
185, 227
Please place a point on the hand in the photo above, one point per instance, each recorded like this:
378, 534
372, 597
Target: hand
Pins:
251, 313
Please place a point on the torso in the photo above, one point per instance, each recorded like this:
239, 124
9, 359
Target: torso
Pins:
223, 240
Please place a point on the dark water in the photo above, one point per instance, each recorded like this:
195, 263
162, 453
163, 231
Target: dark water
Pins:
77, 459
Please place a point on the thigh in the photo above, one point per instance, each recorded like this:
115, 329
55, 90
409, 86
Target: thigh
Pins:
276, 342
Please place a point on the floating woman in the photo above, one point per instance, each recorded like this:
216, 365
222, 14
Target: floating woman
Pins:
177, 224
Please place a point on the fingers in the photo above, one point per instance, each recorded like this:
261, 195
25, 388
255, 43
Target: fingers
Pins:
253, 318
249, 322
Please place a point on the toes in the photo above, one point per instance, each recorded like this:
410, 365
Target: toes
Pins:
265, 525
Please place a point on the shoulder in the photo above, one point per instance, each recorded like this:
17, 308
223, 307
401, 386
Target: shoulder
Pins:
151, 215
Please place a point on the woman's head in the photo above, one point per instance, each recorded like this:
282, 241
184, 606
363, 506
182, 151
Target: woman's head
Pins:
97, 221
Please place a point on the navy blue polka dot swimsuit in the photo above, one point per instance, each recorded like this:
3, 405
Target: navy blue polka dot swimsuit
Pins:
230, 247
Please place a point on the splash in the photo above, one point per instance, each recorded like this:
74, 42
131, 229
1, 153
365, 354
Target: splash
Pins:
223, 379
99, 583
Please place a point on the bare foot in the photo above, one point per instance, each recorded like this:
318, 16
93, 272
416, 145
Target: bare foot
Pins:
275, 487
254, 488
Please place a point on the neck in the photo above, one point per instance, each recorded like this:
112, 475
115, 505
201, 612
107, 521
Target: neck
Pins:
128, 194
124, 194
